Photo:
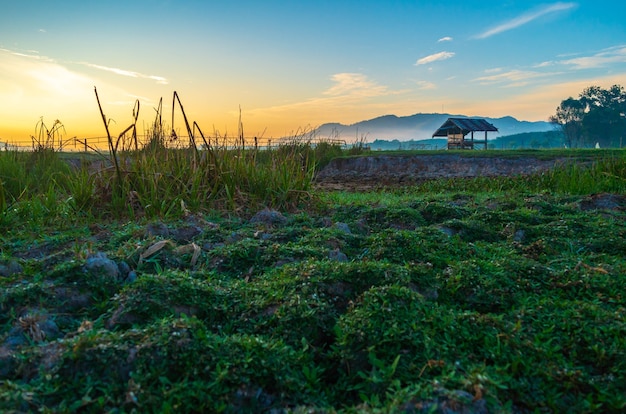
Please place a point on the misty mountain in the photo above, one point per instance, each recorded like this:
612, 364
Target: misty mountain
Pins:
420, 126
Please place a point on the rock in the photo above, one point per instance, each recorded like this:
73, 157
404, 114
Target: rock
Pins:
261, 235
186, 234
98, 265
123, 268
519, 236
343, 227
50, 328
157, 229
10, 269
15, 338
233, 237
337, 255
132, 277
15, 267
269, 218
603, 201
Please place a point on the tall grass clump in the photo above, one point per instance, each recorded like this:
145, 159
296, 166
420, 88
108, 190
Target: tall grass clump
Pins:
167, 173
606, 174
26, 175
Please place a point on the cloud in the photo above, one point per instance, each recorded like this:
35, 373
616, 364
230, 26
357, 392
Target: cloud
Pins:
425, 85
545, 64
513, 78
525, 18
122, 72
493, 70
445, 39
32, 86
351, 95
615, 54
538, 102
32, 54
434, 57
354, 84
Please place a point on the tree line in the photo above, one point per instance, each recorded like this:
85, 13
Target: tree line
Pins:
597, 117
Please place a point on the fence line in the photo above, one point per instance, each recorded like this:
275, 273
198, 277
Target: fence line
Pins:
127, 143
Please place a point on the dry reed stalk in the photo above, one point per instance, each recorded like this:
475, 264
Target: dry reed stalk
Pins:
112, 148
189, 129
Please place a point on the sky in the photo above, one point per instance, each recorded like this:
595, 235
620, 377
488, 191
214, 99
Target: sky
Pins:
290, 66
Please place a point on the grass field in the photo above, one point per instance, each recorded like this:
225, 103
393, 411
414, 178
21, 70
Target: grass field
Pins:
222, 280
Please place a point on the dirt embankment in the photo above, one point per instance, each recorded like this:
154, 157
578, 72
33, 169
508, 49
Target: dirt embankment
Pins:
401, 170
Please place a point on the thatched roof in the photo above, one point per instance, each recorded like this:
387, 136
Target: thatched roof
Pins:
463, 126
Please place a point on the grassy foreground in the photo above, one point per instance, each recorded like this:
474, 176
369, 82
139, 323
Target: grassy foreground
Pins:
167, 286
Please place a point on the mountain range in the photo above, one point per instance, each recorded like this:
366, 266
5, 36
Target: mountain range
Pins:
420, 126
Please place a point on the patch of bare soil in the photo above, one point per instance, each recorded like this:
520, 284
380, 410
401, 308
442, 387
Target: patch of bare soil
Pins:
364, 173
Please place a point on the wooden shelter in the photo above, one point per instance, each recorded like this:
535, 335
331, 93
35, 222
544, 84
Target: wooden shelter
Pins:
457, 128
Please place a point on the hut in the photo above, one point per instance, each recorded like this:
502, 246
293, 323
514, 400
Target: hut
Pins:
457, 128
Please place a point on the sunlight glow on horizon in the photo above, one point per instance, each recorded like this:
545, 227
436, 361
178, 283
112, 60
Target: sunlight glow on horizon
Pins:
285, 84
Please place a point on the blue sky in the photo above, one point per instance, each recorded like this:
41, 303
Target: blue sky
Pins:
293, 65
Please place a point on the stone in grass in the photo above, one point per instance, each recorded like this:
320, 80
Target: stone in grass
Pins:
123, 268
603, 201
10, 269
343, 227
337, 255
131, 278
519, 236
34, 326
269, 218
185, 234
99, 265
157, 229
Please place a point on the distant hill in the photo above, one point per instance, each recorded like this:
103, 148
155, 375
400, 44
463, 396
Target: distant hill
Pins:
420, 126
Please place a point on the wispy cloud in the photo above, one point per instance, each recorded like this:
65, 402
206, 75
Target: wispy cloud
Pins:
350, 94
493, 70
545, 64
525, 18
354, 84
425, 85
122, 72
32, 54
445, 39
434, 58
512, 78
615, 54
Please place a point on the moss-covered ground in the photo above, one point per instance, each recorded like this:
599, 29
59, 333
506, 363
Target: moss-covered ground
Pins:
396, 301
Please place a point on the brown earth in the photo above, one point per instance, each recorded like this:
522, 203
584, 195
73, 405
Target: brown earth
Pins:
361, 173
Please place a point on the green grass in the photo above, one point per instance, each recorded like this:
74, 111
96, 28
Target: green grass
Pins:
502, 293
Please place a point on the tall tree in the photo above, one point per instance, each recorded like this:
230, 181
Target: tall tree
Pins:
604, 121
568, 119
597, 116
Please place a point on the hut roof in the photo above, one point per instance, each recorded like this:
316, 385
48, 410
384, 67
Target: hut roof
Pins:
464, 126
